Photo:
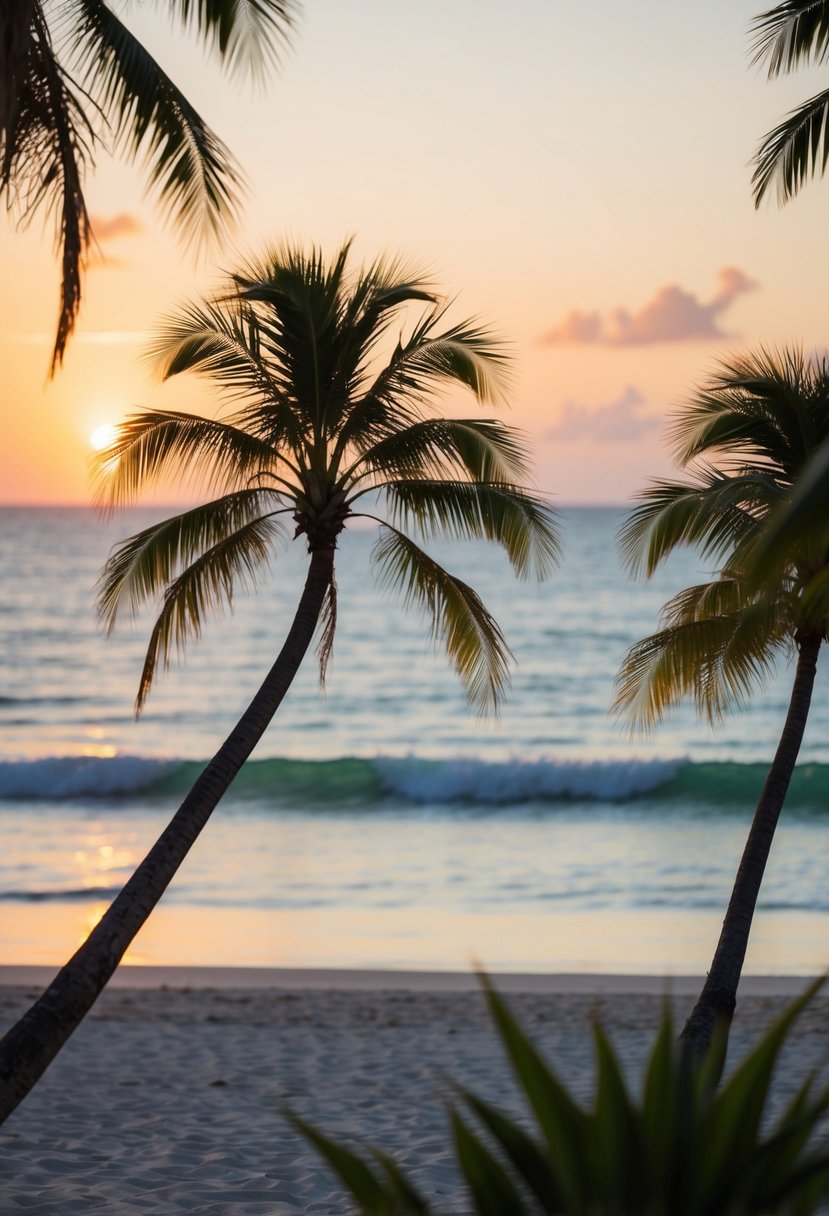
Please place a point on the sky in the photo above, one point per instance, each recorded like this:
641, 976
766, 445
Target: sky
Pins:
576, 174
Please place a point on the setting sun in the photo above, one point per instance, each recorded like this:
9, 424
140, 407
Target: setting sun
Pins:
103, 436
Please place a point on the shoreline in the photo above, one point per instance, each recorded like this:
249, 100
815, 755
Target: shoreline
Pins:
390, 980
332, 979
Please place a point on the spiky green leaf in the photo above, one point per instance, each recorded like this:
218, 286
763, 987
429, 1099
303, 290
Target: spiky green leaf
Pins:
493, 1191
355, 1174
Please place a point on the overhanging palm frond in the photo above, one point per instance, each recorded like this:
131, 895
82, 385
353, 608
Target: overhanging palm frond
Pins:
71, 75
713, 658
16, 38
523, 525
248, 35
473, 639
144, 564
791, 34
194, 174
148, 445
797, 149
44, 155
207, 584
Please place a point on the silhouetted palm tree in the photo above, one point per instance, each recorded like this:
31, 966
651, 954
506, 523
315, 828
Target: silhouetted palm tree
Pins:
746, 436
73, 77
791, 35
320, 428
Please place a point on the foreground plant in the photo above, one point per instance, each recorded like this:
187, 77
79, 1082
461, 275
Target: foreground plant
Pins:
318, 426
746, 438
687, 1147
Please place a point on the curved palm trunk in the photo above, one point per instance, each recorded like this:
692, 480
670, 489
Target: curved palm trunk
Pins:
718, 998
31, 1045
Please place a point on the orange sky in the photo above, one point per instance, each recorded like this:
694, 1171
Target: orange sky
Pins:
573, 171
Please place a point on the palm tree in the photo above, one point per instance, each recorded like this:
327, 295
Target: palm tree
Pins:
746, 435
793, 33
318, 429
73, 77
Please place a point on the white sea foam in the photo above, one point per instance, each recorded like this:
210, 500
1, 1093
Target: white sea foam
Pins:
58, 777
497, 783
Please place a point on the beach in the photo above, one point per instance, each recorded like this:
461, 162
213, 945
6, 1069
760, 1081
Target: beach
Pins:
314, 953
171, 1096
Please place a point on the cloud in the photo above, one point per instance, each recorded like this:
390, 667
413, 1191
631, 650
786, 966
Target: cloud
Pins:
113, 227
673, 315
619, 420
108, 228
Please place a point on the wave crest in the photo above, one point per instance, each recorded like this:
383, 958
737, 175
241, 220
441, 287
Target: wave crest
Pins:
361, 784
56, 778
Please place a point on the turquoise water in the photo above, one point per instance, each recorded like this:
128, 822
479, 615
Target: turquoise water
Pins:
380, 822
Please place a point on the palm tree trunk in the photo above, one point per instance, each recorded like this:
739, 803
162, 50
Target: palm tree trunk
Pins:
718, 998
31, 1045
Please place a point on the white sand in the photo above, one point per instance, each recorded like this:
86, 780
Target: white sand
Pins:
169, 1098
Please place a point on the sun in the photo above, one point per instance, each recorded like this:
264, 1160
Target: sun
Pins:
103, 436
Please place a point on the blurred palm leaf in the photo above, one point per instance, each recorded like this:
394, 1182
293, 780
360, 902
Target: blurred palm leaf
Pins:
73, 78
792, 34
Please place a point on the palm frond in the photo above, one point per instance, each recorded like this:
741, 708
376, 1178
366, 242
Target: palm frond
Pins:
485, 449
207, 584
796, 150
141, 566
193, 173
222, 344
717, 645
328, 624
44, 156
17, 34
814, 603
473, 640
792, 33
763, 406
523, 525
249, 36
718, 514
149, 445
798, 521
378, 293
467, 355
298, 297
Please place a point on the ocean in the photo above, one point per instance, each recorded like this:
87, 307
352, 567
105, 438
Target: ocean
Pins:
380, 822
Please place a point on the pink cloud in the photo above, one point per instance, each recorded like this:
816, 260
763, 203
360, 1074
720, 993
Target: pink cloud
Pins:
673, 315
112, 227
619, 420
